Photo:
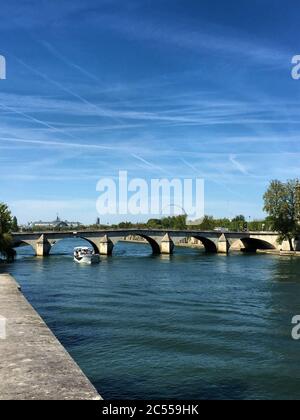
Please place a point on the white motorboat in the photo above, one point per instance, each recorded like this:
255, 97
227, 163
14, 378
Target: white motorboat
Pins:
84, 255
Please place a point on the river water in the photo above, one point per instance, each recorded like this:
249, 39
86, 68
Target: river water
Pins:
188, 326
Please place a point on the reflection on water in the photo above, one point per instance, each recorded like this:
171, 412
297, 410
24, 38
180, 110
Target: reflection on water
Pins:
186, 326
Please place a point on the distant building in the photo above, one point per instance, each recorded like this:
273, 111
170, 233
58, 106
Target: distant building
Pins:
56, 224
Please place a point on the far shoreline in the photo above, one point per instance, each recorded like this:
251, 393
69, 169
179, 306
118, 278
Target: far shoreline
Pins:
201, 247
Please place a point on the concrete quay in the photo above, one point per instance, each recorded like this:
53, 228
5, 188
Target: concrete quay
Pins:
33, 364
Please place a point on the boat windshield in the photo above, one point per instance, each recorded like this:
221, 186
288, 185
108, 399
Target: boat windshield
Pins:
83, 251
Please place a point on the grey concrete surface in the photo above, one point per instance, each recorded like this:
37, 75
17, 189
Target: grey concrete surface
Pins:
33, 364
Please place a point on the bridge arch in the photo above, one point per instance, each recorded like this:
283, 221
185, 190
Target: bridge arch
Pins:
32, 244
151, 241
208, 244
104, 244
253, 244
80, 238
93, 244
22, 244
154, 245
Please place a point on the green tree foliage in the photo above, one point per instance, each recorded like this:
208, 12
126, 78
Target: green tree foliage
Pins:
6, 223
208, 223
5, 219
172, 222
240, 219
154, 224
125, 225
15, 226
238, 223
298, 201
281, 205
234, 225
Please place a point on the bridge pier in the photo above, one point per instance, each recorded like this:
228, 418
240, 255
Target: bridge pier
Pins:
106, 246
42, 247
167, 245
223, 245
297, 244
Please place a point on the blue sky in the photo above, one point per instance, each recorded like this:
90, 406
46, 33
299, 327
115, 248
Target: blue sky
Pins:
161, 88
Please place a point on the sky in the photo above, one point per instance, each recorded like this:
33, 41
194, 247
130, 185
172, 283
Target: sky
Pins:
159, 88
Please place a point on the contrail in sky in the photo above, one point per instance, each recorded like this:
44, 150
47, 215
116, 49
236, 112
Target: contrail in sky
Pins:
29, 117
101, 111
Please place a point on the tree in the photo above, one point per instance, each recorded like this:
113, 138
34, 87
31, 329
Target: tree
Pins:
238, 223
298, 201
154, 223
239, 219
5, 218
15, 226
179, 222
174, 222
125, 225
281, 205
6, 222
208, 223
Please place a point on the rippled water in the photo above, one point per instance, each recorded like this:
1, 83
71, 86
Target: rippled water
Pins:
187, 326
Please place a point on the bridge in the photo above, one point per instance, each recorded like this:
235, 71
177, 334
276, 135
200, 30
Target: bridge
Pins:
161, 241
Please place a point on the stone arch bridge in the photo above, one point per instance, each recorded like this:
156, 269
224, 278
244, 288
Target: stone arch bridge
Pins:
161, 241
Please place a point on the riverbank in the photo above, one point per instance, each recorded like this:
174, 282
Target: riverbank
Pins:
279, 253
33, 364
181, 245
